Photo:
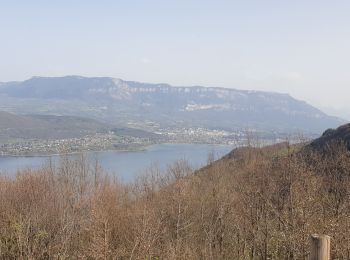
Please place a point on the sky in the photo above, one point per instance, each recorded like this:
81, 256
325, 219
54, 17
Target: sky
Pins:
300, 47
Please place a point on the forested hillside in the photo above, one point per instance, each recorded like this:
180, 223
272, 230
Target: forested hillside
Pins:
255, 203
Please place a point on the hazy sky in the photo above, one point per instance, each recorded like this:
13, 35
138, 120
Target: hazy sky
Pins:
301, 47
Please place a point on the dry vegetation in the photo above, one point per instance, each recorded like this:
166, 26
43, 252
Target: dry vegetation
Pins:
253, 204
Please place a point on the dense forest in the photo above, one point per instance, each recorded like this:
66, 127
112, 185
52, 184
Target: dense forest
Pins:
255, 203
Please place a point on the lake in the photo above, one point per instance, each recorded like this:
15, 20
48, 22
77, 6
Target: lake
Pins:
127, 165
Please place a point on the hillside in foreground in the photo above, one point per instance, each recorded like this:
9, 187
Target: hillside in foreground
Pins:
339, 136
255, 203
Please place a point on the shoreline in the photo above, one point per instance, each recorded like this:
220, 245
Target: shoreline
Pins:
136, 149
143, 148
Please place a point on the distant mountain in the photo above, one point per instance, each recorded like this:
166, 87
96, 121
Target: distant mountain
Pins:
47, 127
132, 103
11, 121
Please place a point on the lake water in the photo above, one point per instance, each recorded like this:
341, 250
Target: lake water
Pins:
127, 165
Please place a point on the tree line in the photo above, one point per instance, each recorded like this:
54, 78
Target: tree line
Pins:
255, 203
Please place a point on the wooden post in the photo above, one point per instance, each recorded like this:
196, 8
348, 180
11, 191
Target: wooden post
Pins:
320, 247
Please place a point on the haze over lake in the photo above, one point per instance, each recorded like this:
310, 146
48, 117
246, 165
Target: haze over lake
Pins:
127, 165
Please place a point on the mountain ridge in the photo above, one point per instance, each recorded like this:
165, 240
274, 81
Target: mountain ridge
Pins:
131, 102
